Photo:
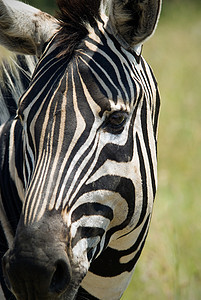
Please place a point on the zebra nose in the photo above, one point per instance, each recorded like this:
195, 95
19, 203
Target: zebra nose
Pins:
34, 278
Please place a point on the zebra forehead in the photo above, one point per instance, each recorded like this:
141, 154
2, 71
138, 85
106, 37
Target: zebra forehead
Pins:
108, 71
99, 67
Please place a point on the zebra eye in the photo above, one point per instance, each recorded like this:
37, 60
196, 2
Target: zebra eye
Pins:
115, 122
116, 119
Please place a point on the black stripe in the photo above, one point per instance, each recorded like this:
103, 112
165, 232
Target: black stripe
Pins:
108, 82
86, 232
121, 185
157, 109
144, 182
92, 209
11, 201
146, 140
108, 263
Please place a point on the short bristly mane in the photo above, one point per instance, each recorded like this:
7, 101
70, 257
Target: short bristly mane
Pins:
15, 76
74, 17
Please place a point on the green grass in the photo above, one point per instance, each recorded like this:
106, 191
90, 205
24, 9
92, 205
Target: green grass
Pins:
170, 265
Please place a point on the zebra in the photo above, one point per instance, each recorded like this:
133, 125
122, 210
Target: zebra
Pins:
78, 155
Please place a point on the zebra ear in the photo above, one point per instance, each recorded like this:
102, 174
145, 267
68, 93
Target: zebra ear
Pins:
134, 20
23, 28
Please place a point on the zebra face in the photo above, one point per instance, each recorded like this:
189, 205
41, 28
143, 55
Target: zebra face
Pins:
89, 122
79, 152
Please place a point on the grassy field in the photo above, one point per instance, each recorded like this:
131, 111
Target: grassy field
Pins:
170, 265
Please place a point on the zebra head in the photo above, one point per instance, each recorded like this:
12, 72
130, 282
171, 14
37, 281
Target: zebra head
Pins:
88, 147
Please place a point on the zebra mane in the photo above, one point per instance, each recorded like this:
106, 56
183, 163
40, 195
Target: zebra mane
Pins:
15, 76
75, 16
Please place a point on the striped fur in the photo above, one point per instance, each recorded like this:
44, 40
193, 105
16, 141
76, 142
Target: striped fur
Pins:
80, 159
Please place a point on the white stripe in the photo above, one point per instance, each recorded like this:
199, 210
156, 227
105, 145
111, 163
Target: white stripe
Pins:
110, 288
92, 221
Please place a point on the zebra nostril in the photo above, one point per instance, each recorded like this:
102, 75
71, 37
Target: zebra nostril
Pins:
61, 277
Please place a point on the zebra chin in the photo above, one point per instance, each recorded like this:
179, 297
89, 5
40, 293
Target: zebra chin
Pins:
38, 266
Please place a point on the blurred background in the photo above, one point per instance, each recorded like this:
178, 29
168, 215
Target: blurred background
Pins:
170, 265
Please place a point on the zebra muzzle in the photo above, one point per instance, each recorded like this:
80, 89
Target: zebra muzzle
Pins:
37, 267
34, 278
